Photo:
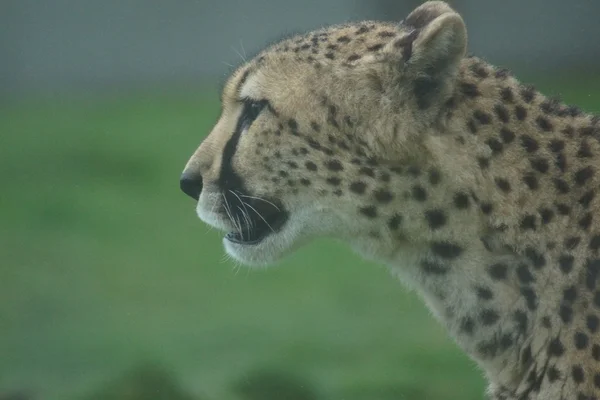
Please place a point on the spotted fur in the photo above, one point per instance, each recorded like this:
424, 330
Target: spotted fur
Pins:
471, 186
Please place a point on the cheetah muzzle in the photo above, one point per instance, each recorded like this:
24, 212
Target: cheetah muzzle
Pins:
473, 188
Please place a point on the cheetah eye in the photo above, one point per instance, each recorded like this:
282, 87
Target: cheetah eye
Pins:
252, 109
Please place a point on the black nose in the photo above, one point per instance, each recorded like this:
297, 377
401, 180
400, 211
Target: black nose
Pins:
191, 184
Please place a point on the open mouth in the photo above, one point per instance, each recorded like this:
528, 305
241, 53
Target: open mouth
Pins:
255, 221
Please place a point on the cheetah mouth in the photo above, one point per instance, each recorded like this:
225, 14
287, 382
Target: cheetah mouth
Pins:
255, 223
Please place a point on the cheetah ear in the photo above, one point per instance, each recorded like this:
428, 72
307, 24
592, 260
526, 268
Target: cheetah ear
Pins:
436, 38
433, 45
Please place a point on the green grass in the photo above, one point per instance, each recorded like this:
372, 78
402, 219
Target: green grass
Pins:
103, 265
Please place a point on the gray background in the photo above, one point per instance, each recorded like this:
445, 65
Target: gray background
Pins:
65, 45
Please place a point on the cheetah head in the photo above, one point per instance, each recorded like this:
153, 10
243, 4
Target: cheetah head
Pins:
312, 129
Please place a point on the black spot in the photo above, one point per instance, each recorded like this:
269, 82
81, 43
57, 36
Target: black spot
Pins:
507, 135
353, 57
520, 318
435, 218
561, 162
546, 215
488, 348
565, 262
572, 242
586, 131
556, 348
570, 294
507, 95
544, 124
446, 250
520, 113
434, 176
472, 127
467, 325
367, 171
334, 180
495, 145
385, 34
334, 165
596, 352
535, 257
358, 187
526, 355
546, 323
369, 211
529, 144
483, 162
486, 208
502, 184
584, 150
597, 380
479, 70
414, 171
595, 242
311, 166
461, 201
528, 93
531, 181
469, 89
395, 222
375, 47
419, 193
561, 185
305, 182
528, 222
489, 317
383, 195
524, 275
587, 198
530, 297
583, 175
592, 322
566, 313
585, 221
502, 113
597, 299
484, 293
482, 117
434, 267
553, 374
343, 39
283, 174
563, 209
540, 164
578, 374
581, 340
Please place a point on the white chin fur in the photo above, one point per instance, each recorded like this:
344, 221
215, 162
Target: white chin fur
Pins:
269, 250
301, 225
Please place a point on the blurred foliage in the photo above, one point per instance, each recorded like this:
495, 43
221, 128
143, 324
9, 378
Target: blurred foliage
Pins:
145, 382
274, 384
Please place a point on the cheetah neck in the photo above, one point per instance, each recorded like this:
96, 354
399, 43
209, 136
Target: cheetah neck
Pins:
500, 232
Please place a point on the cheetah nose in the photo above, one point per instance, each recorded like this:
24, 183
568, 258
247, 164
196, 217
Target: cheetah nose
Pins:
191, 184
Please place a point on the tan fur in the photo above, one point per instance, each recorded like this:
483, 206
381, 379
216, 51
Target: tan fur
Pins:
476, 190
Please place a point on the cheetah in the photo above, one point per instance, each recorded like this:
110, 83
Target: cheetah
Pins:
472, 187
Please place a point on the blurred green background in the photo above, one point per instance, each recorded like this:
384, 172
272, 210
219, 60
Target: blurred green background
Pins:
112, 289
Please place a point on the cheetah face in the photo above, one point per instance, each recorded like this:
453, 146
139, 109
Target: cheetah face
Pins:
305, 123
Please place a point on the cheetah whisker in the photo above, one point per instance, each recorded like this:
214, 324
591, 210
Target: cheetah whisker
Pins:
261, 217
261, 199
